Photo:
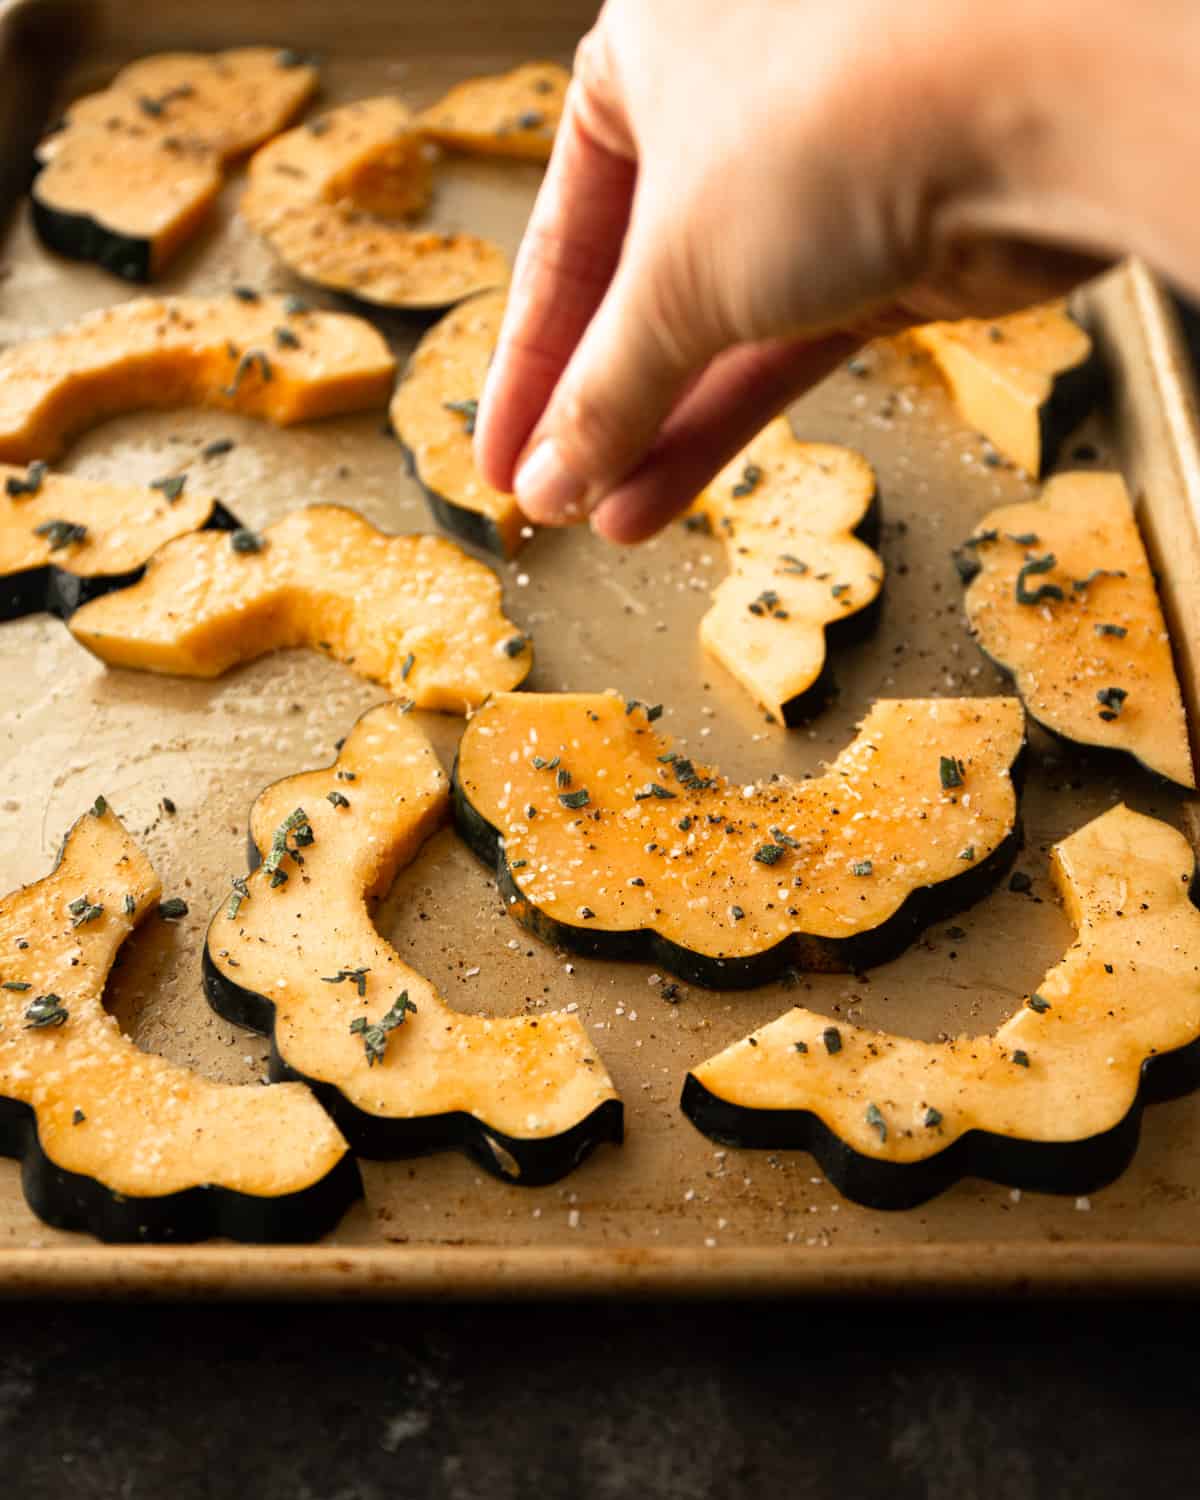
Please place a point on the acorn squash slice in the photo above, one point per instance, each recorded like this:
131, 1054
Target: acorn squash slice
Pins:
134, 171
65, 540
433, 415
119, 1142
503, 114
258, 357
332, 199
1051, 1101
412, 612
793, 517
1025, 381
1061, 595
299, 959
609, 842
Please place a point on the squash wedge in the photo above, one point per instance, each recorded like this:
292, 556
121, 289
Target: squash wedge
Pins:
1025, 381
134, 171
794, 517
412, 612
294, 954
433, 415
119, 1142
254, 357
1051, 1101
612, 844
1061, 594
64, 540
503, 114
332, 199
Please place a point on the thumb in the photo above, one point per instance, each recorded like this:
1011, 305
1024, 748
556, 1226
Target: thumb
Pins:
644, 345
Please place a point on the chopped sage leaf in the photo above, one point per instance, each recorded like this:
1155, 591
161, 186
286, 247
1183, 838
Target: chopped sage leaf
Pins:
246, 294
218, 448
171, 485
99, 807
1044, 591
406, 668
932, 1117
82, 910
515, 645
574, 799
357, 976
337, 799
800, 1046
968, 854
15, 984
769, 854
861, 867
46, 1010
1079, 584
286, 339
77, 1117
752, 476
31, 483
951, 772
1112, 701
654, 789
875, 1120
1039, 1003
1119, 631
832, 1038
467, 410
982, 538
245, 540
129, 905
292, 306
172, 908
1023, 538
1021, 1058
240, 893
61, 534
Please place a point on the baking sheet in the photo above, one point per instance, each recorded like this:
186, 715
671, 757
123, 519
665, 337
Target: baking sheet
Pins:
668, 1211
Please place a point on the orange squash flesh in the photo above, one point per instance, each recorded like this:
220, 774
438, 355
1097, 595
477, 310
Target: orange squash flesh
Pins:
506, 114
118, 1141
723, 884
332, 198
432, 414
134, 171
790, 514
1024, 381
526, 1096
1050, 1100
187, 351
413, 612
1105, 632
123, 526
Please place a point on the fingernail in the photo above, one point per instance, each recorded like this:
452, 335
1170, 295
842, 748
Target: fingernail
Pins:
546, 489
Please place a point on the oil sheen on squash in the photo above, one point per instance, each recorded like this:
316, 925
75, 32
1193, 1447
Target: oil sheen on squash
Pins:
504, 114
223, 352
134, 171
526, 1095
118, 1141
1088, 648
1045, 1100
415, 613
1023, 381
335, 199
433, 415
788, 513
614, 843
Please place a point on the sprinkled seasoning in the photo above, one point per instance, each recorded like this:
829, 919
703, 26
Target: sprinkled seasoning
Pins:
31, 483
240, 893
171, 485
1112, 701
46, 1010
932, 1117
245, 540
832, 1038
61, 534
515, 645
358, 977
1037, 565
752, 476
172, 908
1117, 631
874, 1118
1021, 1058
950, 771
575, 799
769, 854
467, 410
337, 798
861, 867
1039, 1003
82, 910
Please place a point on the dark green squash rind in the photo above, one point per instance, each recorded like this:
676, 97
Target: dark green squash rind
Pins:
539, 1162
80, 237
57, 591
804, 952
1073, 394
70, 1200
470, 526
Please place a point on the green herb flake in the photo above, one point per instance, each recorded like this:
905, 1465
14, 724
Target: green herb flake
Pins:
862, 867
46, 1010
769, 854
467, 410
951, 772
832, 1038
15, 487
245, 540
1119, 632
933, 1117
337, 799
1037, 565
574, 799
874, 1118
515, 645
172, 908
1021, 1058
752, 477
1039, 1003
61, 534
171, 485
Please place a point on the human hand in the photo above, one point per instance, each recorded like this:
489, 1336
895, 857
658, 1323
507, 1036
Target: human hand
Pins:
739, 195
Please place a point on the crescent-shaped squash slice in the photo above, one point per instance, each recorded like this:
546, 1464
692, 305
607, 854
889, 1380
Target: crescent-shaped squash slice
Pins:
257, 357
64, 540
1052, 1100
413, 612
1024, 381
119, 1142
294, 954
503, 114
433, 415
791, 515
135, 170
612, 844
1061, 594
332, 197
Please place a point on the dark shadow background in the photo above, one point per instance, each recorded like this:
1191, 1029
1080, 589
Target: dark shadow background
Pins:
960, 1401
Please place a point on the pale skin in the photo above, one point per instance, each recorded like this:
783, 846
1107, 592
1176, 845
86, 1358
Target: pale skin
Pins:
740, 194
